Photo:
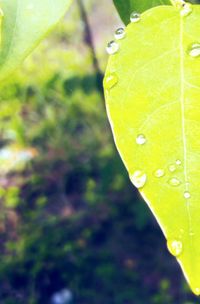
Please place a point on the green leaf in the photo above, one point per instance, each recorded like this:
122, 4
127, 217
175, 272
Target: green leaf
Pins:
152, 89
25, 23
126, 7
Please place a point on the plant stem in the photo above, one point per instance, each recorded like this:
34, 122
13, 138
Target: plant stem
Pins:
89, 41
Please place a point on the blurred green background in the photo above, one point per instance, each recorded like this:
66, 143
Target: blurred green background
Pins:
72, 227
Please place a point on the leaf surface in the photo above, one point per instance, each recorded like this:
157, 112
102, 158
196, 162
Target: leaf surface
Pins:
126, 7
152, 89
25, 23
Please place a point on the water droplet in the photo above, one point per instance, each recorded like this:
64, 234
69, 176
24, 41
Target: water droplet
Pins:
196, 291
141, 139
120, 33
135, 17
110, 81
174, 182
175, 247
191, 233
178, 162
187, 194
186, 10
138, 179
179, 3
112, 47
159, 173
194, 50
172, 168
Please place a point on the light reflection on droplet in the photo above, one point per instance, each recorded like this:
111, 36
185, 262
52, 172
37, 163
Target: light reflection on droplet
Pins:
120, 33
135, 17
186, 10
172, 168
141, 139
110, 81
112, 47
138, 179
175, 247
174, 182
194, 50
179, 3
196, 291
187, 194
159, 173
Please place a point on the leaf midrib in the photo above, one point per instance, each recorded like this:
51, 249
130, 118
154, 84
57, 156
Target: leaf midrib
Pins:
182, 100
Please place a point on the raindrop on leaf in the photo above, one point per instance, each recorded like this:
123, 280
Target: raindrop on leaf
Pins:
138, 179
194, 50
120, 33
141, 139
196, 291
175, 247
110, 81
179, 3
186, 10
187, 194
172, 168
135, 17
159, 173
112, 47
174, 182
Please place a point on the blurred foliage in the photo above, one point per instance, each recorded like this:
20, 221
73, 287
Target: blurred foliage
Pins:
69, 215
16, 17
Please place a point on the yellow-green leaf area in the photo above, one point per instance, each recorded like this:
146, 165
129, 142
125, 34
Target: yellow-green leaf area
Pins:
152, 90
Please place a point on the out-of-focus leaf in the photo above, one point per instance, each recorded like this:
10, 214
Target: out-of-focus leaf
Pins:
25, 23
152, 88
